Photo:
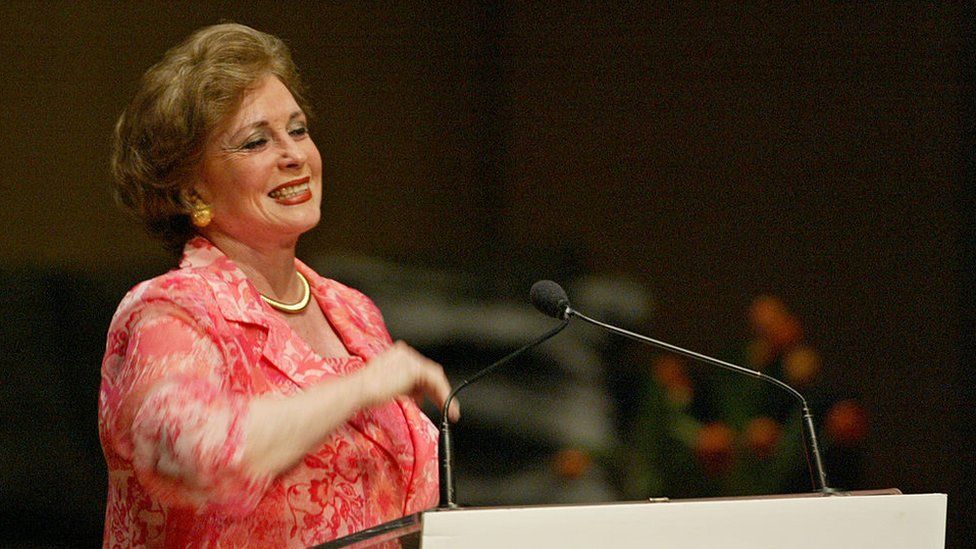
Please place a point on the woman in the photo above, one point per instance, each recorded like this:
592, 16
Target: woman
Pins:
245, 399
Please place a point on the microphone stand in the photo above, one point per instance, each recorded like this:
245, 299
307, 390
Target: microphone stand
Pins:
814, 461
446, 458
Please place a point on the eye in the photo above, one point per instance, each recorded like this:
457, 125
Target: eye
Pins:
299, 131
254, 144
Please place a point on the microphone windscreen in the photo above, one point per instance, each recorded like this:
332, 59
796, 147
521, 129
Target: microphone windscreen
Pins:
549, 298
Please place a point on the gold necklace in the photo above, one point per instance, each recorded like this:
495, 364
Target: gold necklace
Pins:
291, 308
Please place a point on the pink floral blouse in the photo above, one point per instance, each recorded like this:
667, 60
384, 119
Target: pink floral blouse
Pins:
186, 351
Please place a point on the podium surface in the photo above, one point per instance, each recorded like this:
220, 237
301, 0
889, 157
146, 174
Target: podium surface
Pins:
814, 521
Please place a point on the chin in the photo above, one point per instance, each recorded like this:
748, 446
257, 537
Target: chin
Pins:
307, 224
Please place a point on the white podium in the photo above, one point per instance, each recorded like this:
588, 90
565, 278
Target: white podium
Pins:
798, 522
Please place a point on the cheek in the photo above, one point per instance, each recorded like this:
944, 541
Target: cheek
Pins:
315, 159
246, 178
238, 188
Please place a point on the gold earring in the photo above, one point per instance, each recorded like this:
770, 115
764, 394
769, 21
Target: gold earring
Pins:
201, 214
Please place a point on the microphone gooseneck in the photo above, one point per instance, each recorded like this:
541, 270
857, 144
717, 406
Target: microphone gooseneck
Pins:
554, 302
446, 458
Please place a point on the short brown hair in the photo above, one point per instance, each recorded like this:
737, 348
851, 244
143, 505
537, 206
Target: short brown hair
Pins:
159, 138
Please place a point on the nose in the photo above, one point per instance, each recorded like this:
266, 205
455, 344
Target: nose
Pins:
292, 154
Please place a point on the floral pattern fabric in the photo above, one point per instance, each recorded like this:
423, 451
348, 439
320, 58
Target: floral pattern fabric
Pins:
186, 353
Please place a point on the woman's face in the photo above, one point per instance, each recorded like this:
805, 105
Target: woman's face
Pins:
261, 172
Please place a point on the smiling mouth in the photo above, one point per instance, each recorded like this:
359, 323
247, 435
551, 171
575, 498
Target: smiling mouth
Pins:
290, 191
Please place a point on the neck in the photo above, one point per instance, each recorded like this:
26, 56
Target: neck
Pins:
271, 268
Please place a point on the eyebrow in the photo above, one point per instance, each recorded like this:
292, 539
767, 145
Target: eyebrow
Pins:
263, 124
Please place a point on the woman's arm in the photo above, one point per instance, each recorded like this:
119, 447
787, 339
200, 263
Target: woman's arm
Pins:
194, 439
280, 431
171, 407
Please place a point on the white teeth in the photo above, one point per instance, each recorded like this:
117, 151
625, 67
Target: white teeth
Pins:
288, 192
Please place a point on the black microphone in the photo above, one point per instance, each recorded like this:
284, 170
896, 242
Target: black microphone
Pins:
446, 458
552, 301
550, 298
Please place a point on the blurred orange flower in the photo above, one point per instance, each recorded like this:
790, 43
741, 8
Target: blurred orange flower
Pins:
714, 448
571, 463
766, 311
847, 423
670, 373
801, 366
786, 334
772, 321
762, 435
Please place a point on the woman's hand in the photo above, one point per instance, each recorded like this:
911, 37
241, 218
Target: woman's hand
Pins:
401, 370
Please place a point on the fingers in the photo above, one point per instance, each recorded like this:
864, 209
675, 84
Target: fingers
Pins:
401, 370
435, 386
454, 412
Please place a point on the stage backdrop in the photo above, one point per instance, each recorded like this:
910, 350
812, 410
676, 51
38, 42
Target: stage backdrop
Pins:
821, 154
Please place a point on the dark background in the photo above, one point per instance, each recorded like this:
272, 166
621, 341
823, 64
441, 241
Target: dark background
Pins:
823, 153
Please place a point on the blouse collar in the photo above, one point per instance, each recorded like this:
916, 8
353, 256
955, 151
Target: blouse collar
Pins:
240, 301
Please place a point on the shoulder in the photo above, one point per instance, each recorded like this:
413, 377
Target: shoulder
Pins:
345, 303
337, 290
349, 293
165, 316
183, 292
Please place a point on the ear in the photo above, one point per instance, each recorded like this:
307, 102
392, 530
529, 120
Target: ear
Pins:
191, 199
194, 194
188, 196
196, 190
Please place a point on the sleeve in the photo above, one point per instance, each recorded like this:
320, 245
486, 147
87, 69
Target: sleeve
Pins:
184, 421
